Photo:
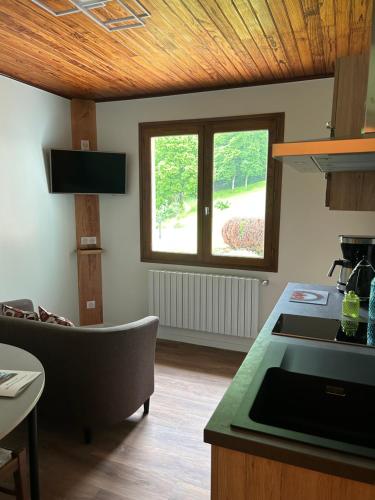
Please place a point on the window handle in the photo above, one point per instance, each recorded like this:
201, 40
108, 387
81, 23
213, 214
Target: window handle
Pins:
206, 210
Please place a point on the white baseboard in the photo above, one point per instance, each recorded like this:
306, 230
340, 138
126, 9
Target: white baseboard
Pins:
204, 338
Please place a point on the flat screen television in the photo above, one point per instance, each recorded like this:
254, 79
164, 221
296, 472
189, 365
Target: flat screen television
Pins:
87, 172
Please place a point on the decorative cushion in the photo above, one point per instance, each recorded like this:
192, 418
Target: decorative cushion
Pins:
48, 317
14, 312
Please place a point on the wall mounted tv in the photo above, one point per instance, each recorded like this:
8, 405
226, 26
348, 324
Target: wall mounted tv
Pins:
87, 172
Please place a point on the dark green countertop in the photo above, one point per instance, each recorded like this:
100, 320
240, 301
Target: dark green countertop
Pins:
220, 433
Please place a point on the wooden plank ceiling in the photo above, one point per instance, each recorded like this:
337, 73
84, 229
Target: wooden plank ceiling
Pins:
186, 45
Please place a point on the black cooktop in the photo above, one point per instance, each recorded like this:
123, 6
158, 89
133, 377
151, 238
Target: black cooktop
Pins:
347, 330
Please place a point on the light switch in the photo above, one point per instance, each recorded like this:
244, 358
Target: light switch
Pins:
88, 240
85, 145
90, 304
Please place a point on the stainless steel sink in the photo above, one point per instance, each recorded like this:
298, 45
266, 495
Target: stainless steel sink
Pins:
321, 396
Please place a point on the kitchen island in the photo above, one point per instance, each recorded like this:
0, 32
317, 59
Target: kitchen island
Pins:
258, 466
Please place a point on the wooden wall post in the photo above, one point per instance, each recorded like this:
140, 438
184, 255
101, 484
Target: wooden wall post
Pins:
83, 116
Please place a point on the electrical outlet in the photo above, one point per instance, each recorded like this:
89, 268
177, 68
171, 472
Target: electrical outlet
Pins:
85, 145
88, 240
90, 304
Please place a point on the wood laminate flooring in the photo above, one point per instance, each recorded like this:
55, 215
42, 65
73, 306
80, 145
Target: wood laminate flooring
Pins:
158, 457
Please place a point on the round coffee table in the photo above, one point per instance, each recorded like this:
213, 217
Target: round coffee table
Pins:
14, 410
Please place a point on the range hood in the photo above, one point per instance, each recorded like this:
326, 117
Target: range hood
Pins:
330, 155
338, 155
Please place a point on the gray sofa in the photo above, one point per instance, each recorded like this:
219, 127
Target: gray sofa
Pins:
94, 376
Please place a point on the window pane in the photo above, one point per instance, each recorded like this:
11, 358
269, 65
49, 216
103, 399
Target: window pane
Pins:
174, 169
239, 193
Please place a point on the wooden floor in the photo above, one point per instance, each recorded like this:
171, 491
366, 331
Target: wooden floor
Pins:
159, 457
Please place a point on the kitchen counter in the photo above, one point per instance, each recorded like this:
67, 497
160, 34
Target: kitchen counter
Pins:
219, 432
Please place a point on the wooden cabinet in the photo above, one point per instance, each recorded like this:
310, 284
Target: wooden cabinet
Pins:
350, 190
240, 476
349, 96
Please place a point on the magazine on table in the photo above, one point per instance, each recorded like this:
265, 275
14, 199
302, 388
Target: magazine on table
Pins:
12, 382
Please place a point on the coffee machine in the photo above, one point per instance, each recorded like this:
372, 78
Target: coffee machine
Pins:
354, 249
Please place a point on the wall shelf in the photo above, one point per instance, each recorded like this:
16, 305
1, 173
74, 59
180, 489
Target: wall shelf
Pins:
89, 251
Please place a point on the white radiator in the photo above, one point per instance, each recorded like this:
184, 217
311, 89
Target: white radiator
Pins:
219, 304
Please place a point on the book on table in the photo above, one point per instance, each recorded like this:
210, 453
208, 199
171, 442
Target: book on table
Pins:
13, 382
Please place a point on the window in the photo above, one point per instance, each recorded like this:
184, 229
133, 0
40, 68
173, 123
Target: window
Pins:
210, 192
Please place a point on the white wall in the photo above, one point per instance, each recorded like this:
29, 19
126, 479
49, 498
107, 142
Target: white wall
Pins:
37, 231
308, 234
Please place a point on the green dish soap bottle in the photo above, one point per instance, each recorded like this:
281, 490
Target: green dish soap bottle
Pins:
350, 305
